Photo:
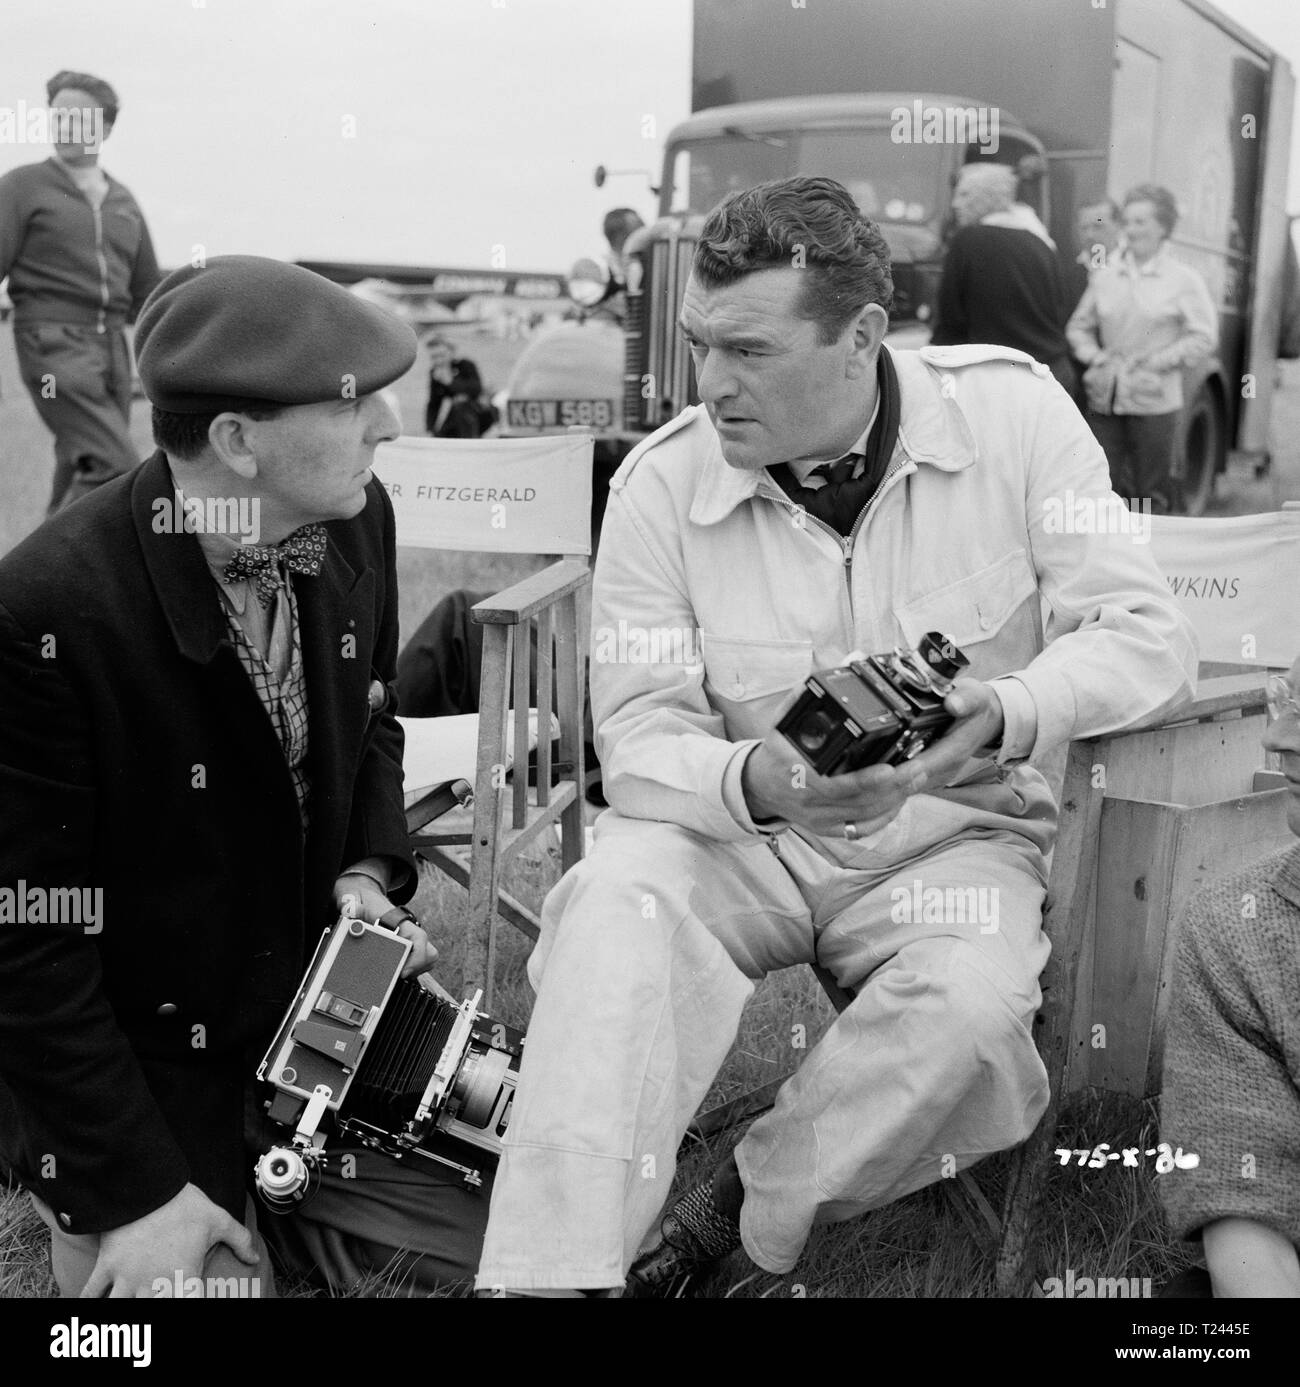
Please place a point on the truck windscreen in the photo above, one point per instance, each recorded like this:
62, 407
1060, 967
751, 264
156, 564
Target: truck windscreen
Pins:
903, 184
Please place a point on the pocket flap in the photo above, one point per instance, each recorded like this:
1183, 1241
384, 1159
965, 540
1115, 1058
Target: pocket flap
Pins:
743, 669
972, 609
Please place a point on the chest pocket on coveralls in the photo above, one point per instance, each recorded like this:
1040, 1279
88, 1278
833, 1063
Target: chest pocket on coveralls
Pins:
974, 611
747, 680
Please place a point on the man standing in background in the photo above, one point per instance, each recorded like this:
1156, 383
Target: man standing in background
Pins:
80, 262
1001, 280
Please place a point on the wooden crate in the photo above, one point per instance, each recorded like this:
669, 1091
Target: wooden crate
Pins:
1179, 806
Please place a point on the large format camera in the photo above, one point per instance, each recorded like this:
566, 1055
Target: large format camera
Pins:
385, 1062
879, 711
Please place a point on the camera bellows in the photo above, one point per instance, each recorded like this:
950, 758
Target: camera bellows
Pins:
405, 1049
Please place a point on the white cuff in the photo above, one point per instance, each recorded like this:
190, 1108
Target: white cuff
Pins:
1019, 719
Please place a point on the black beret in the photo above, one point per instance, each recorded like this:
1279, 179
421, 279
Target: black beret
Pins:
243, 328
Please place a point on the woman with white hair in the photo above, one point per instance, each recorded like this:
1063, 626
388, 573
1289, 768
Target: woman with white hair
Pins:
1142, 320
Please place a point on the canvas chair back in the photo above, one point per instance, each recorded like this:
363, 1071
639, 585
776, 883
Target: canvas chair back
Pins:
492, 496
1238, 581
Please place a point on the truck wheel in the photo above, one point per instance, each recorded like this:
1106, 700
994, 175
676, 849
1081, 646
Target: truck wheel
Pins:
1203, 454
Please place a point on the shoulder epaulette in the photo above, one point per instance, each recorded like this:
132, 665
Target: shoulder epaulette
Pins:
978, 354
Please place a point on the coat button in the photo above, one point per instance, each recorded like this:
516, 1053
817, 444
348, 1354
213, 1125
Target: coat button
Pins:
985, 622
66, 1220
168, 1009
376, 696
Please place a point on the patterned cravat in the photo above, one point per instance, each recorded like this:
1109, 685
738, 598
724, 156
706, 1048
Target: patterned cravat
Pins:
302, 552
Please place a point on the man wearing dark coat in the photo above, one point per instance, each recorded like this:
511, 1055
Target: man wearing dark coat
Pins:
199, 759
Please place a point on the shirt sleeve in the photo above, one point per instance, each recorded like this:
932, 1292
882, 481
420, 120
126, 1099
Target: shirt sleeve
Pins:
1019, 719
1082, 330
83, 1107
11, 224
144, 273
1200, 326
1118, 648
663, 750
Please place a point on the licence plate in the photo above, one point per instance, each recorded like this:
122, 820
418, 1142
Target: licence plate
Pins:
559, 414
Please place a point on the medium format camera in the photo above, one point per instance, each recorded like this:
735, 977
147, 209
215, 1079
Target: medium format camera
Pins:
879, 711
385, 1062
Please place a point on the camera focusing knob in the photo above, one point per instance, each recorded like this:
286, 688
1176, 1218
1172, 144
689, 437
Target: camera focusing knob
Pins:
910, 744
941, 654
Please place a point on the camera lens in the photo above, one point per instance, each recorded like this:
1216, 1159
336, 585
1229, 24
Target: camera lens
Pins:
814, 732
286, 1178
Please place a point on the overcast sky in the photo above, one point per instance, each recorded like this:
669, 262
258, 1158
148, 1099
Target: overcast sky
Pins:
477, 122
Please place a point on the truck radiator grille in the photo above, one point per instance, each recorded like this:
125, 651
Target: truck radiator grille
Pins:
658, 380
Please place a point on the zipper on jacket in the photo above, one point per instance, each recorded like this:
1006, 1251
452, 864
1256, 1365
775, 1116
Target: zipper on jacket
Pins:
846, 542
95, 212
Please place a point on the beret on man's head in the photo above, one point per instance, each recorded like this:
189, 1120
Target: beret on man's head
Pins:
243, 328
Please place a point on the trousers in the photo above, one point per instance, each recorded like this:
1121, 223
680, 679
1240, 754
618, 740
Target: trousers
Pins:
80, 382
410, 1226
1140, 451
650, 948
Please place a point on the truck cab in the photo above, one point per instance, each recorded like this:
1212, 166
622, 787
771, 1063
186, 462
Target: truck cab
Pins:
893, 151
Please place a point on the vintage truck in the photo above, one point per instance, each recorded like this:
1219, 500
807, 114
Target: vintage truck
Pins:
893, 97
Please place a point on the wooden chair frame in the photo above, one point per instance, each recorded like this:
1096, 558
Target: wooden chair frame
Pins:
547, 602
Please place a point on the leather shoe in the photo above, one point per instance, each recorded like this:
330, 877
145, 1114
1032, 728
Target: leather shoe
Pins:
695, 1237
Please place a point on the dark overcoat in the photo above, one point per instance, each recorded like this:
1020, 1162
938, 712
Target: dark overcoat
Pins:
136, 758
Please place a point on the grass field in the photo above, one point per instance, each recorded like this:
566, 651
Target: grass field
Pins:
1102, 1223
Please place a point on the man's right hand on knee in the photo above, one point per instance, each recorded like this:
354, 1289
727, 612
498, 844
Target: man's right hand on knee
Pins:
172, 1241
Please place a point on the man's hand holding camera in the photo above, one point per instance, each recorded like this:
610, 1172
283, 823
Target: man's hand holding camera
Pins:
978, 725
779, 784
371, 903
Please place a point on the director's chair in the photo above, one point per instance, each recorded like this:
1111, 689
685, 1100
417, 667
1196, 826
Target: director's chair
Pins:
501, 496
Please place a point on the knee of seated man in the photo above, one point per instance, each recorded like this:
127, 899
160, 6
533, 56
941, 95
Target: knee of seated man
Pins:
631, 891
643, 858
979, 1001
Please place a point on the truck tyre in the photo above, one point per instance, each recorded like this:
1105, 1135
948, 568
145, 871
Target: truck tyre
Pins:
1203, 450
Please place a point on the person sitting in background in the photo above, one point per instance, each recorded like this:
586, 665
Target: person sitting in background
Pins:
1232, 1058
456, 407
1142, 320
80, 262
1001, 280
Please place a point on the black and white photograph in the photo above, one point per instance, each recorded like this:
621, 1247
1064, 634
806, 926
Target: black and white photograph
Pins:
649, 651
